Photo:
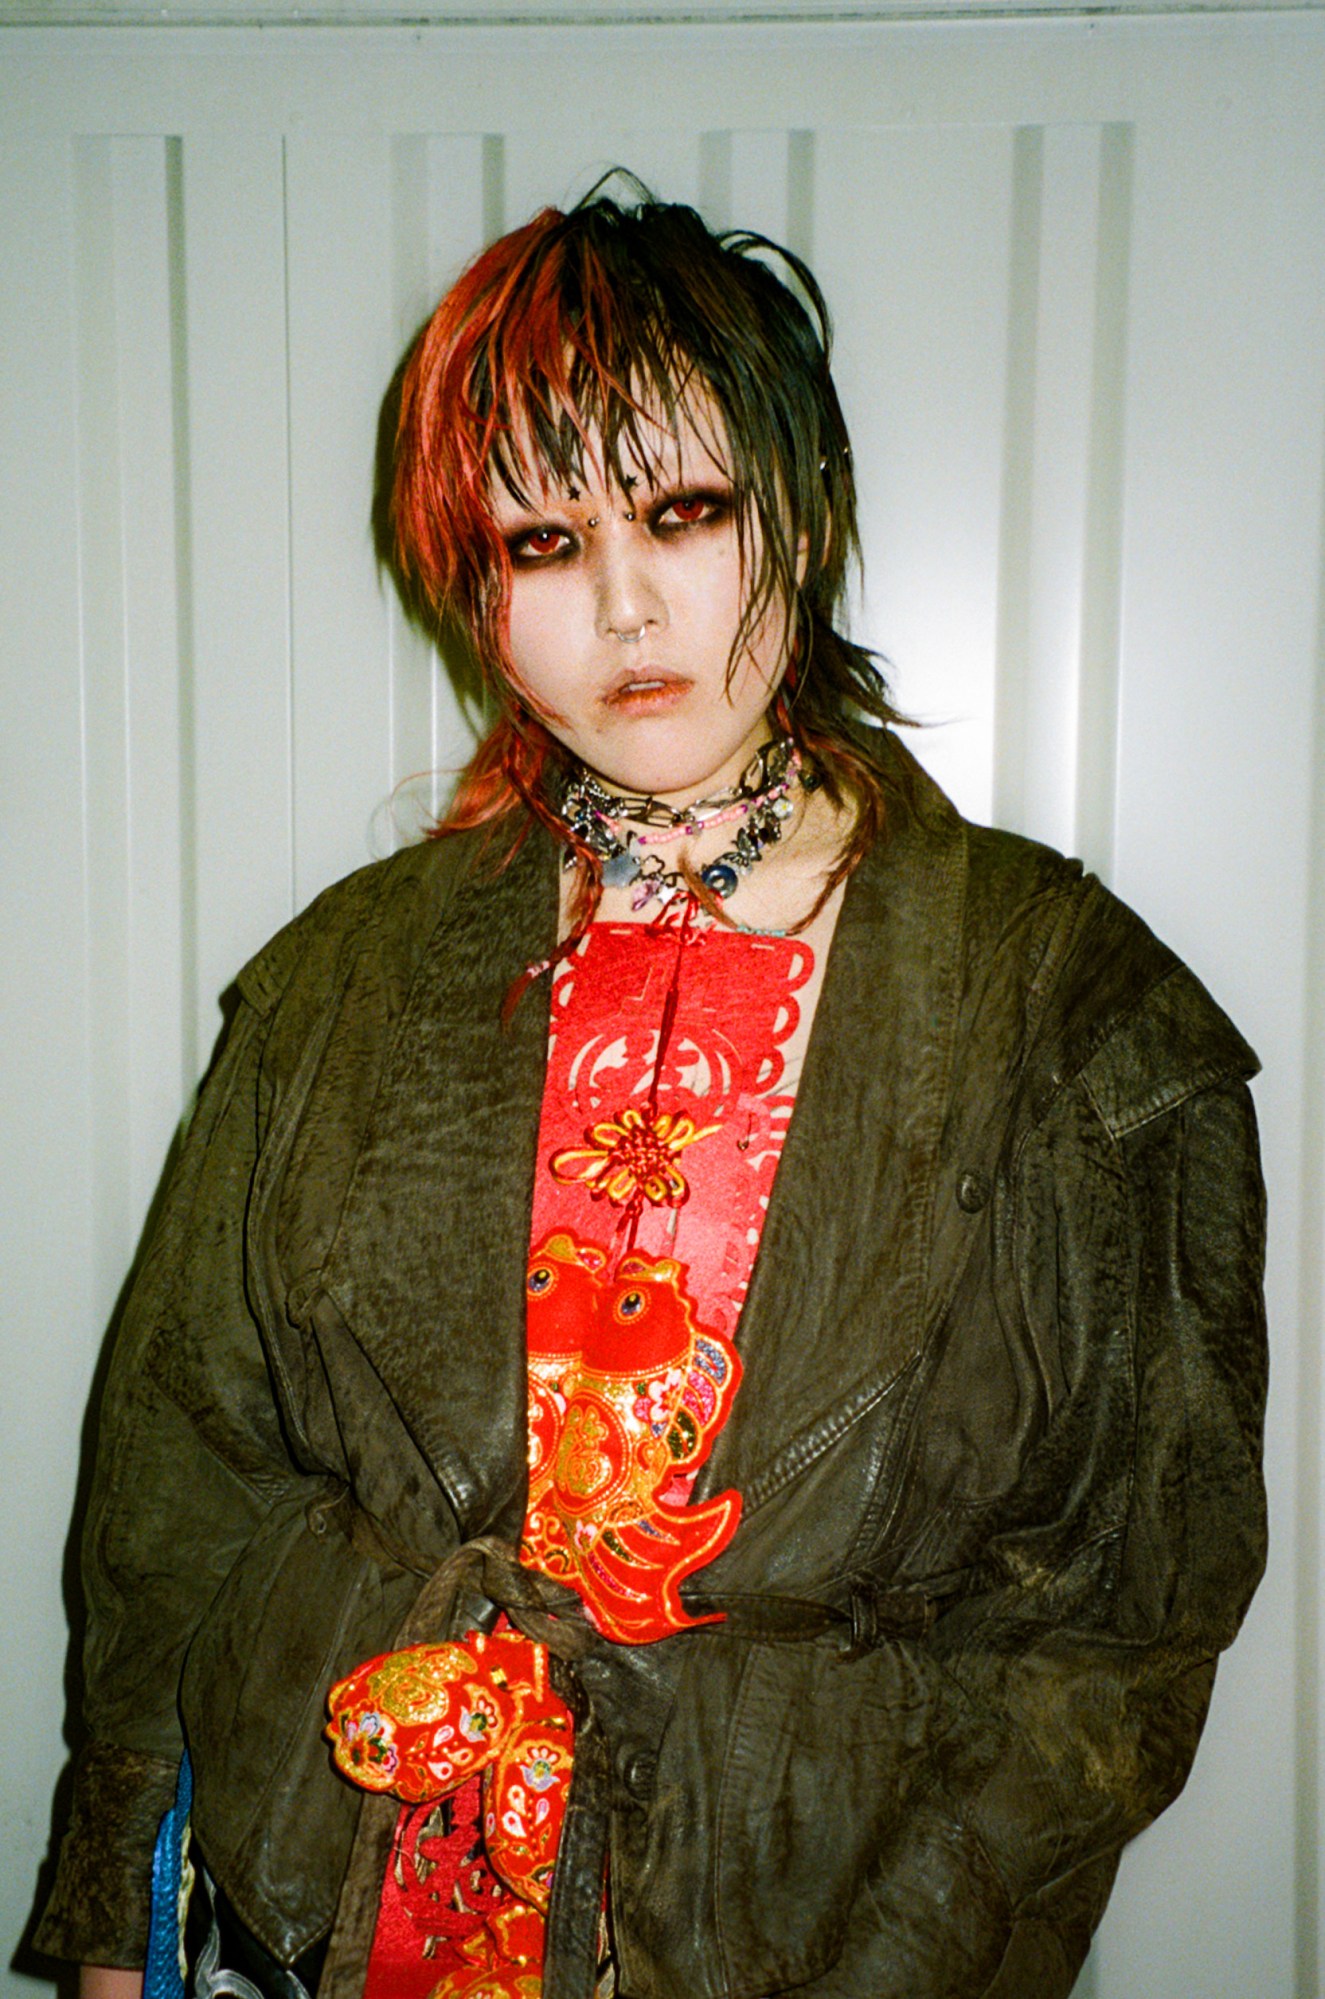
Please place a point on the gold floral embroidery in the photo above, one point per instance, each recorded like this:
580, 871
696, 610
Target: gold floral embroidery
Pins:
585, 1467
632, 1157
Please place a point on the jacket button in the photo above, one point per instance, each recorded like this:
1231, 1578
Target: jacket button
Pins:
640, 1773
972, 1192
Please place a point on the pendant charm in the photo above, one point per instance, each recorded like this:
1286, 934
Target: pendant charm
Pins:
622, 868
721, 878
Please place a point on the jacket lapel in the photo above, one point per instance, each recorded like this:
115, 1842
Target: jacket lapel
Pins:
835, 1308
428, 1266
836, 1300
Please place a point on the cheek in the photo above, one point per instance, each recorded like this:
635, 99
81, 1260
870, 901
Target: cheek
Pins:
720, 587
717, 599
540, 641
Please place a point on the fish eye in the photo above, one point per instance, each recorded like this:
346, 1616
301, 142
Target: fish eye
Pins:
541, 1279
631, 1305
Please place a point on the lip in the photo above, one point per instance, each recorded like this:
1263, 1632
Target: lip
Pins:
641, 689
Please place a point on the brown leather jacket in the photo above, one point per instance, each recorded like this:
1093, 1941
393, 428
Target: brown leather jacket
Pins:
998, 1436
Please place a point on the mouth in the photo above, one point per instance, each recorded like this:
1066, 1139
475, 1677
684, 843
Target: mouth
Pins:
641, 690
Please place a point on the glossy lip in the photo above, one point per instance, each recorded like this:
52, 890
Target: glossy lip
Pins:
641, 689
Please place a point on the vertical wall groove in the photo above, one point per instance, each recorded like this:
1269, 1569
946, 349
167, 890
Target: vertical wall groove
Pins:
102, 613
409, 718
1310, 1497
800, 194
494, 185
1012, 644
1101, 591
291, 801
715, 178
190, 1053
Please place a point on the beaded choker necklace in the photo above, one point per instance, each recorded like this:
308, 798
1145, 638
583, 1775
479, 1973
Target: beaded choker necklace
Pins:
760, 798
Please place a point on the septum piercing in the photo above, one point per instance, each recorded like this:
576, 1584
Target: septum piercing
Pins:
629, 638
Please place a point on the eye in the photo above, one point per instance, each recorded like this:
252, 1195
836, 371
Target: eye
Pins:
540, 1280
631, 1305
705, 507
538, 544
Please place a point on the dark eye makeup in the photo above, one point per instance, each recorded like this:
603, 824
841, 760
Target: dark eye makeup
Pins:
693, 506
540, 544
669, 513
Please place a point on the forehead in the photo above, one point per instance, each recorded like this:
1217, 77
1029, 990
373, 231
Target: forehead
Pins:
647, 447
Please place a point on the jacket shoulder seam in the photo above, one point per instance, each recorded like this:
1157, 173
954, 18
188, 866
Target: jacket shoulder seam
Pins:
344, 908
1174, 1043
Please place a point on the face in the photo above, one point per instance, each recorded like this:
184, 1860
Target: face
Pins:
625, 602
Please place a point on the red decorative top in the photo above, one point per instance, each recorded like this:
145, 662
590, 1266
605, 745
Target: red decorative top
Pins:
668, 1097
664, 1111
663, 1118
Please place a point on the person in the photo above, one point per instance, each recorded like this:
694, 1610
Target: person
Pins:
712, 1310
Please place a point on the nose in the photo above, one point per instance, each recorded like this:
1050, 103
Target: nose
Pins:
628, 592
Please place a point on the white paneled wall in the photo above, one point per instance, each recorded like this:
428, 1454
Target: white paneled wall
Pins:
1078, 270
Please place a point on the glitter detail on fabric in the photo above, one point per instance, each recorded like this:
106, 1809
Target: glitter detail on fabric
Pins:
626, 1394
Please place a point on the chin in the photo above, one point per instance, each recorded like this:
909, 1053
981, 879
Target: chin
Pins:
660, 777
663, 768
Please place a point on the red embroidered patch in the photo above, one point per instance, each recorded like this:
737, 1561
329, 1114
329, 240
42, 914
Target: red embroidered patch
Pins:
626, 1393
474, 1721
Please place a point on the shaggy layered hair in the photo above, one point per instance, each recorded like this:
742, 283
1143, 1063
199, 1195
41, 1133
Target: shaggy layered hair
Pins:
592, 335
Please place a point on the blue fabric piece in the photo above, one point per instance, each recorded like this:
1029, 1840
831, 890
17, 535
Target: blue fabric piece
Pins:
163, 1975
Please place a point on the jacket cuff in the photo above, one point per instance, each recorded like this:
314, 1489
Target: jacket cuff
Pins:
99, 1908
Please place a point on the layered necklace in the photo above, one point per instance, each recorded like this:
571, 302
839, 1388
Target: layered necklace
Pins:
607, 821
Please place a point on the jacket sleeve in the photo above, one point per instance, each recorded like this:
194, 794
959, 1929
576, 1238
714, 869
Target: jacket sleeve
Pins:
1075, 1679
190, 1459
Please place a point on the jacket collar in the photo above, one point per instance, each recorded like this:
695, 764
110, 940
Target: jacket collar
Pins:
835, 1306
428, 1265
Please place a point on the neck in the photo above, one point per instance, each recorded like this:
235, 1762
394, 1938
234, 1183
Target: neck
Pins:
588, 795
648, 848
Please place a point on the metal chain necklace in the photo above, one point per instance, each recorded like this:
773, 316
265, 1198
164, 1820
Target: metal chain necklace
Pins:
586, 797
761, 799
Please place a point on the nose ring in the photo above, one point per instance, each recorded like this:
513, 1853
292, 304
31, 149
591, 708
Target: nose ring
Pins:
629, 638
